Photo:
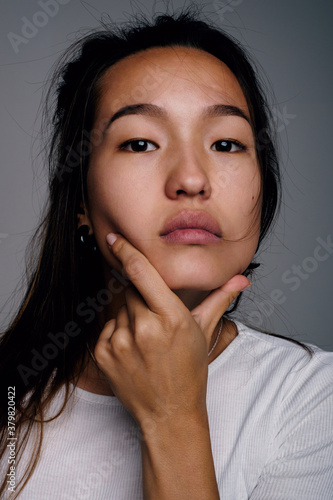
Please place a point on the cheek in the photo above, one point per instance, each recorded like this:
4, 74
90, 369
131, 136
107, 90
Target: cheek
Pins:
121, 201
110, 207
108, 196
239, 191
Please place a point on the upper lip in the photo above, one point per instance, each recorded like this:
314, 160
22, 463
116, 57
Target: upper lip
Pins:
189, 219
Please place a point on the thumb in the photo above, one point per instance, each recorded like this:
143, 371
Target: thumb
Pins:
210, 310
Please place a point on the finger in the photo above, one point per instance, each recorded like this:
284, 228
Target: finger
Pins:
210, 310
136, 306
103, 342
107, 331
157, 295
122, 320
113, 340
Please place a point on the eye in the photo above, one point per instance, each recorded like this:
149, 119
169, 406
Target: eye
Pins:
138, 146
227, 146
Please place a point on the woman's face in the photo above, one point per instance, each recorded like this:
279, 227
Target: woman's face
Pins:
176, 172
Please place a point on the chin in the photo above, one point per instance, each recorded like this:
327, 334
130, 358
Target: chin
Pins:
199, 276
195, 282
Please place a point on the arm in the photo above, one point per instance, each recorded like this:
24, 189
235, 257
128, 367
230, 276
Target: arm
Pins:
155, 356
177, 461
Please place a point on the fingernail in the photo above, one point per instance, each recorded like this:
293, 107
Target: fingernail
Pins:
245, 288
111, 238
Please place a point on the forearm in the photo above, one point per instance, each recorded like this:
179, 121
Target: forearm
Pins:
177, 461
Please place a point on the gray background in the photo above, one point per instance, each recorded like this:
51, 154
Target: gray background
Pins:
292, 41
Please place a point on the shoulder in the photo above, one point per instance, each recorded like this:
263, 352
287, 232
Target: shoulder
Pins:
283, 349
295, 390
300, 378
267, 360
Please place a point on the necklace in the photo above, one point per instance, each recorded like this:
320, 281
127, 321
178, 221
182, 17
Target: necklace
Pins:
210, 352
91, 354
217, 337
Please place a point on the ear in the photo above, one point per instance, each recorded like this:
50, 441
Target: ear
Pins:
83, 218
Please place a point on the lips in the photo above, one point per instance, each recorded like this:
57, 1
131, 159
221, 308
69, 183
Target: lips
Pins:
191, 227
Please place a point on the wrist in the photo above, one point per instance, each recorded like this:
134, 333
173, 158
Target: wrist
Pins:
173, 424
176, 435
177, 459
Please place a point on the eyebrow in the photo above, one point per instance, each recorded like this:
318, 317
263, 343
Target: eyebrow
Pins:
157, 112
138, 109
226, 110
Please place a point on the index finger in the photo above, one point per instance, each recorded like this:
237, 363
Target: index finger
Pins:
156, 293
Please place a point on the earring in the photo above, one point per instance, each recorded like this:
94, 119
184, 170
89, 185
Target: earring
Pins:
87, 242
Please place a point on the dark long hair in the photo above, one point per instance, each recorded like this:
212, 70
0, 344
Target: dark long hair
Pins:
46, 344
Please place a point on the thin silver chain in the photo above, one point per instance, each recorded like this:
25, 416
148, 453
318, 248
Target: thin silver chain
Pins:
217, 337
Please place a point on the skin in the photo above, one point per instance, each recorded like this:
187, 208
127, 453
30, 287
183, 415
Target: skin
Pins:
153, 348
182, 173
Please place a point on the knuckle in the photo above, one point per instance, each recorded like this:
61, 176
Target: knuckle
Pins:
149, 336
135, 266
175, 322
101, 354
141, 326
120, 344
143, 333
118, 246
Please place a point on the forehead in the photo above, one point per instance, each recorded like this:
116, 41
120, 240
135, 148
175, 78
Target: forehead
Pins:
161, 72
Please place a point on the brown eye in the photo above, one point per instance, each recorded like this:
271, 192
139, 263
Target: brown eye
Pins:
138, 146
226, 146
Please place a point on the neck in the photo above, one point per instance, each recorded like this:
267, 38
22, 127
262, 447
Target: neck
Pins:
192, 298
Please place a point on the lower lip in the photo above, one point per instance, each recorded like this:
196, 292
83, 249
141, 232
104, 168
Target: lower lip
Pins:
191, 237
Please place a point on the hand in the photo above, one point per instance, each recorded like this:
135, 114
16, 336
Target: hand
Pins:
154, 352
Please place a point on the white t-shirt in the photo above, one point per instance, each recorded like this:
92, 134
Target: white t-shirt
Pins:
270, 410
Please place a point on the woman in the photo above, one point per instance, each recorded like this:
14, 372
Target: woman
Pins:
163, 183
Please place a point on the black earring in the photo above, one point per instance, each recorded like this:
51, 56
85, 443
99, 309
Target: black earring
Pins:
87, 242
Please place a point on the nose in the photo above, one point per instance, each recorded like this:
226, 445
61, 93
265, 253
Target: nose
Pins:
187, 175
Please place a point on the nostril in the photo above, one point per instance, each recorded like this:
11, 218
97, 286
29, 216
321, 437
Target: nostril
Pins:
182, 191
